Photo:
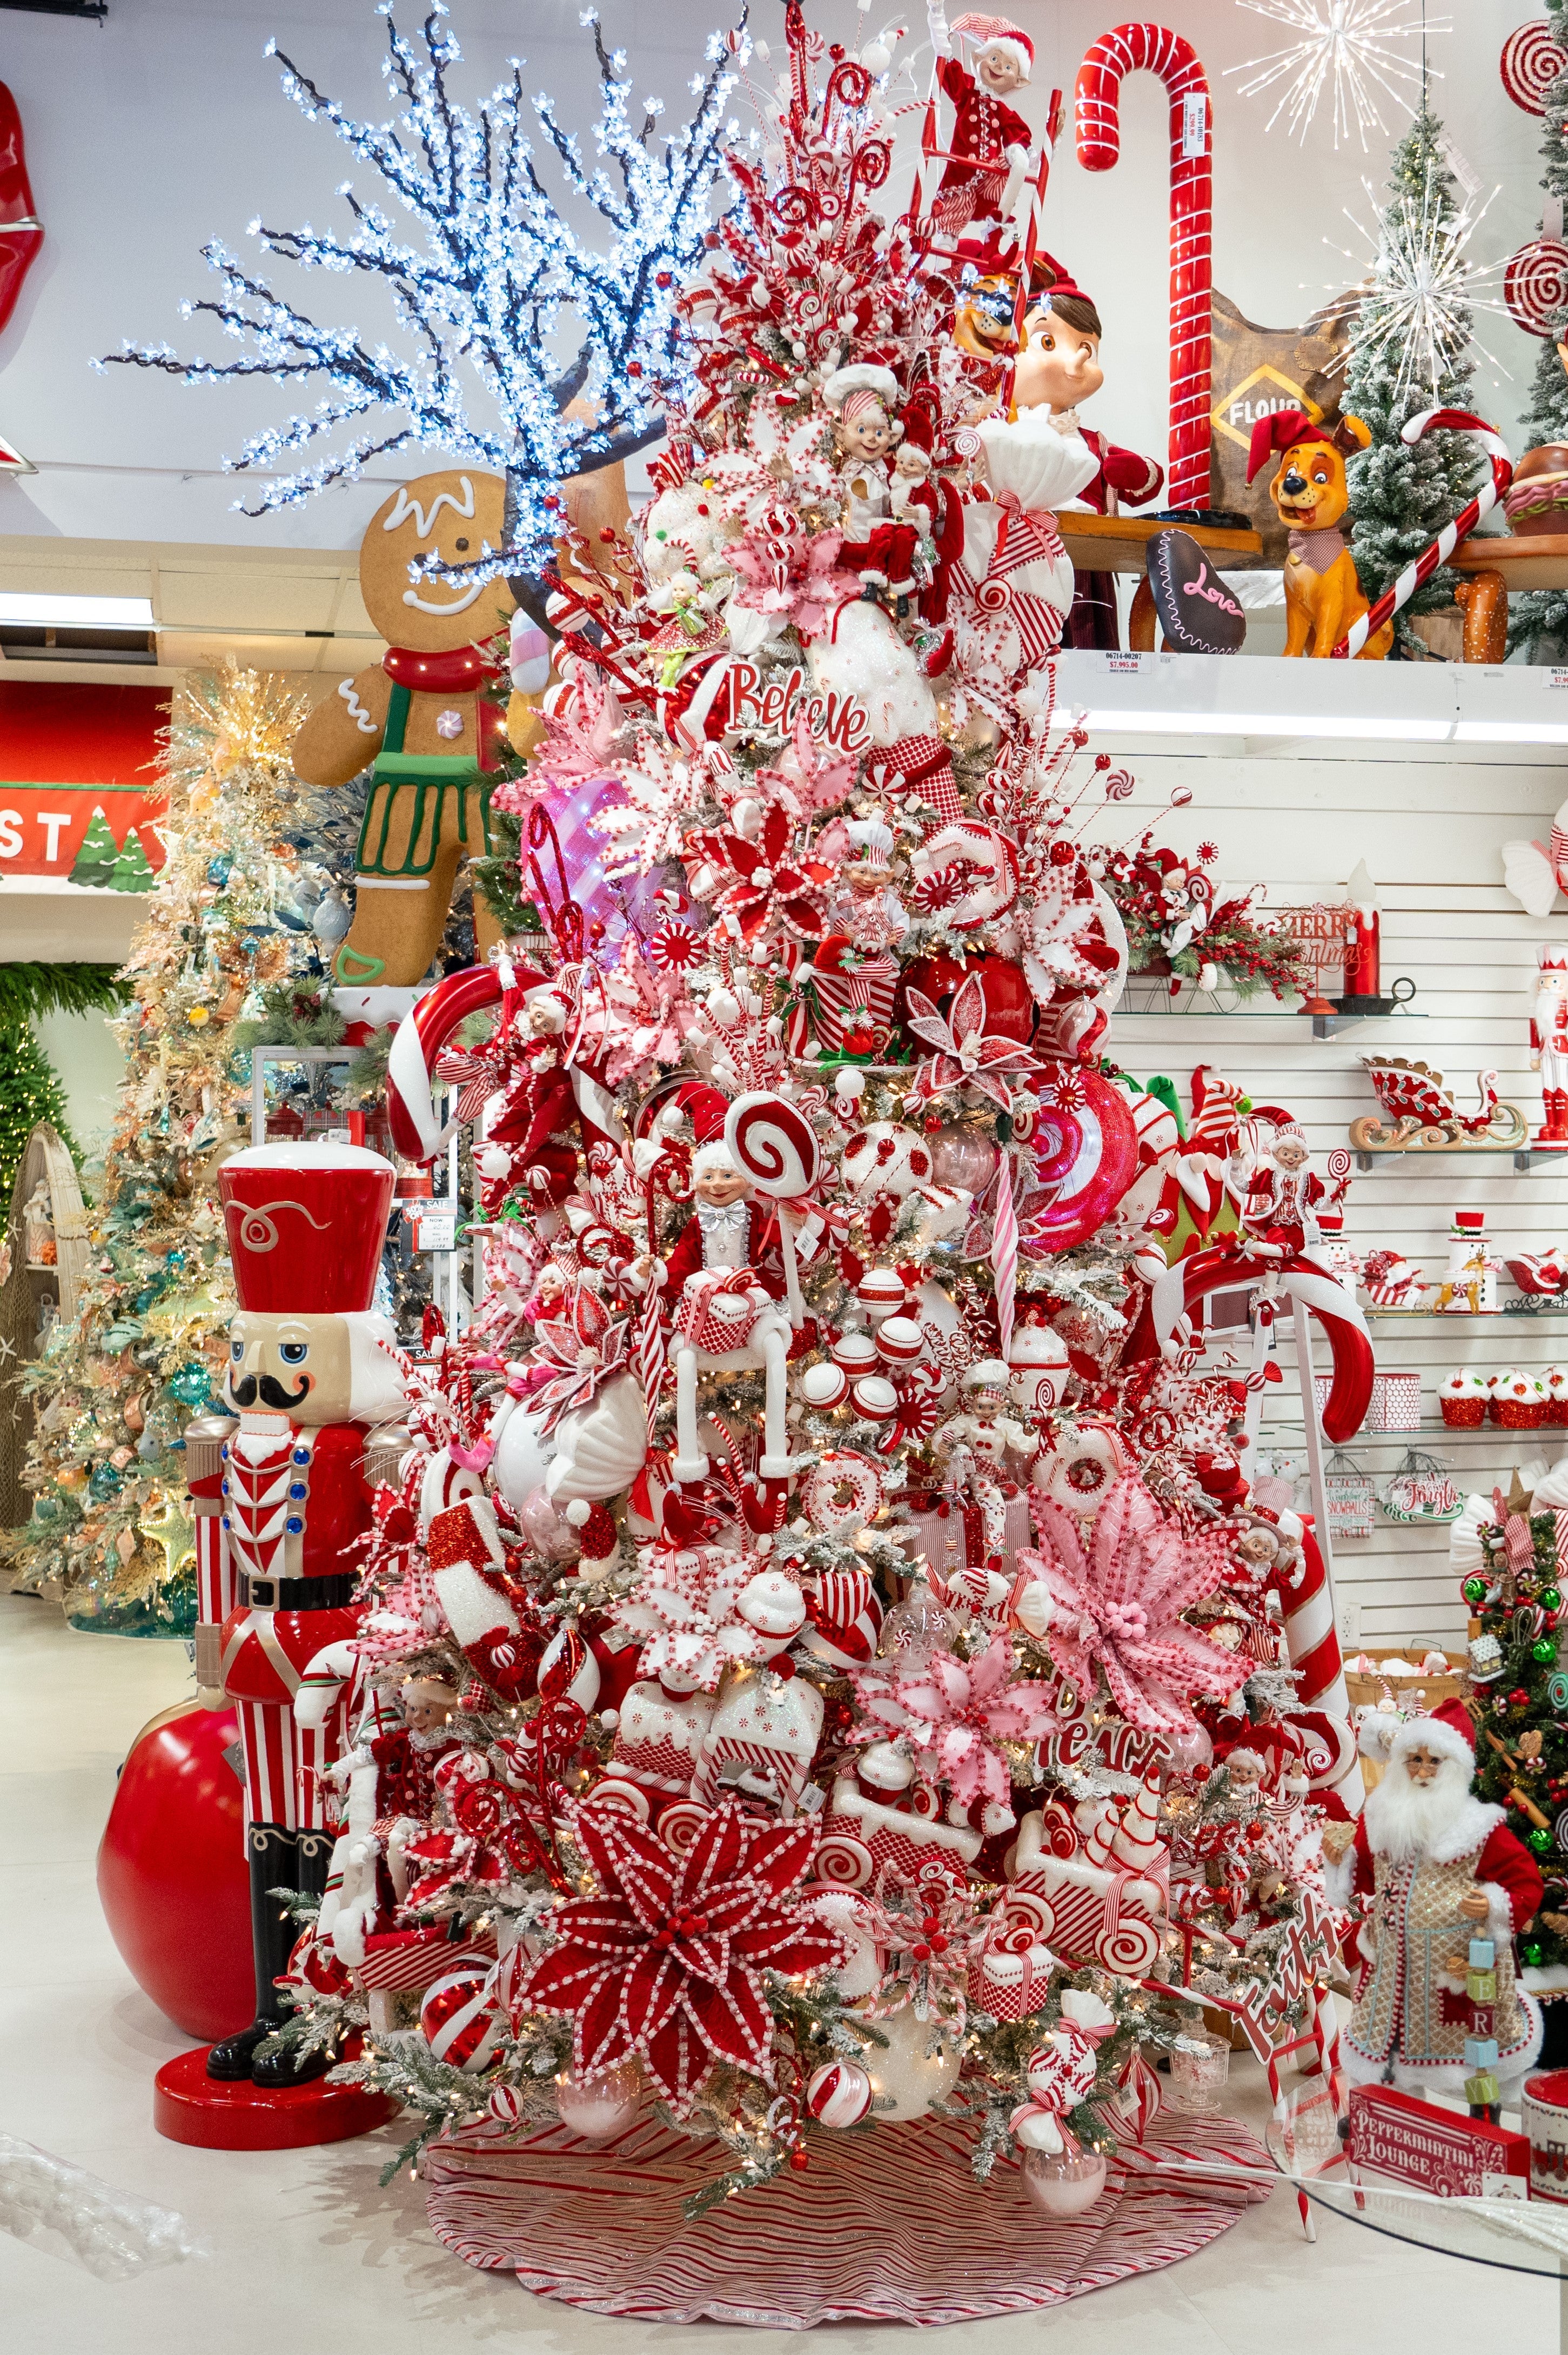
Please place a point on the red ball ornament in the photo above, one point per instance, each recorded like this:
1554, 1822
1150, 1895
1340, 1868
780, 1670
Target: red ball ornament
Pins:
459, 2021
171, 1872
1010, 1009
1519, 1697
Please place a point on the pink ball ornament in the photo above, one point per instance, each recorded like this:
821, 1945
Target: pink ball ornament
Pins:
823, 1387
901, 1340
1060, 2186
874, 1398
838, 2095
959, 1157
1191, 1750
603, 2107
459, 2022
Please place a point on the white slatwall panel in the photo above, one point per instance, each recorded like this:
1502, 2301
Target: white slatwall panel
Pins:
1430, 826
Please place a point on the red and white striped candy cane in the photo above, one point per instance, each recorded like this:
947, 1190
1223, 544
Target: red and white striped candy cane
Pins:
1153, 49
1451, 420
1312, 1647
1178, 1292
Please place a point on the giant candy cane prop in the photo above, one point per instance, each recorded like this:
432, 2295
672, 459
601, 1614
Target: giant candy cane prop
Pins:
1153, 48
418, 1131
1452, 420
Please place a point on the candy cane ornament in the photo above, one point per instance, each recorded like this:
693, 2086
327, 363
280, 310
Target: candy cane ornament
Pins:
417, 1132
1450, 420
1307, 1283
1153, 49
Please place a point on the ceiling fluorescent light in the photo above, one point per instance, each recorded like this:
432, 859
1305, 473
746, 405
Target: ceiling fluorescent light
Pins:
29, 611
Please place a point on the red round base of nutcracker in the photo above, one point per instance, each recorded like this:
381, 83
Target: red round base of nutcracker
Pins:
309, 1373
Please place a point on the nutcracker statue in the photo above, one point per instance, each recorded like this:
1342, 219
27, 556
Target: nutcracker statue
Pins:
308, 1375
1548, 1044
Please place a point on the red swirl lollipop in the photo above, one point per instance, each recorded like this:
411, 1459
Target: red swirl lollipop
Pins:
1085, 1151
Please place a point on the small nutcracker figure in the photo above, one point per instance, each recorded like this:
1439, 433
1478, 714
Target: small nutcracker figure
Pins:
1548, 1044
310, 1371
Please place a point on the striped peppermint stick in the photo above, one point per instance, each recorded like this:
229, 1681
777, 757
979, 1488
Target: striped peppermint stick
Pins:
649, 1351
1005, 1252
1451, 420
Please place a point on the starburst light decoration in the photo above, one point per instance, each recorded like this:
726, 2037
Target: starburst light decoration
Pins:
1419, 294
1351, 48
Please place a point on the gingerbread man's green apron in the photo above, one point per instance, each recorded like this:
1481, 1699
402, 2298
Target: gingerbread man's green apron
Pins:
405, 827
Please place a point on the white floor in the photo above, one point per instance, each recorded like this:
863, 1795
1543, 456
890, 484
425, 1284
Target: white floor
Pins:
304, 2251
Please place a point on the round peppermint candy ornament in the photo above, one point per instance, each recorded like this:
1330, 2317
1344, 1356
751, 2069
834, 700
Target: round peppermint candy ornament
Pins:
838, 2095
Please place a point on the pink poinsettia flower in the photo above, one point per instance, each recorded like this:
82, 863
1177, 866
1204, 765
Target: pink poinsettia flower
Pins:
577, 747
965, 1056
666, 1965
955, 1714
576, 1353
805, 779
1117, 1605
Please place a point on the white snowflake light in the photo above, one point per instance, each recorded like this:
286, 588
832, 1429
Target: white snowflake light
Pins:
1349, 47
483, 292
1419, 294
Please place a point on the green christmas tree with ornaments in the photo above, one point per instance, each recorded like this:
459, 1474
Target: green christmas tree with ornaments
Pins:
1520, 1700
1410, 352
227, 923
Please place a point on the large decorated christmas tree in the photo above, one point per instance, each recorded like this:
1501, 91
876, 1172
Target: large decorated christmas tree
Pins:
825, 1661
231, 916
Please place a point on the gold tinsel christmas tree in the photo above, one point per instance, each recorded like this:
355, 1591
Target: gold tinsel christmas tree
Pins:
231, 919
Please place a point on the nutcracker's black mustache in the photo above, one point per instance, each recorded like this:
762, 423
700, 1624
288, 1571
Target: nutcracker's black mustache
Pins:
269, 1390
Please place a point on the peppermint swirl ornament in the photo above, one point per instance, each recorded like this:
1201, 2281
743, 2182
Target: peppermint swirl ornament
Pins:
1531, 62
1535, 284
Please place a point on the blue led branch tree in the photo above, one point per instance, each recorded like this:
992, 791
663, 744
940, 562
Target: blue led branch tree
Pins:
495, 290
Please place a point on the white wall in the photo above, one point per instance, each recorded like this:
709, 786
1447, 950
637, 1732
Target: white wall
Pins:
87, 1057
167, 127
1299, 819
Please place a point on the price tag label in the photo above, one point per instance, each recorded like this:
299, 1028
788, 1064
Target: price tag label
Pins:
436, 1230
1194, 123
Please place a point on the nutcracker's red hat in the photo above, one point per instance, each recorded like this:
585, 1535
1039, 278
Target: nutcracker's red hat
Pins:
307, 1223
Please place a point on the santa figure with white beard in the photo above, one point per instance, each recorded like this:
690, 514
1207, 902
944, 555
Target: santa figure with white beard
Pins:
1439, 1868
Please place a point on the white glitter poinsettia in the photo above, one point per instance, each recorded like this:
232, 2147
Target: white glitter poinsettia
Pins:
1117, 1603
965, 1054
955, 1714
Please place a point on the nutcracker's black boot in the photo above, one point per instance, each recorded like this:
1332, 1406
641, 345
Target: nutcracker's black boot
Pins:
311, 1855
271, 1851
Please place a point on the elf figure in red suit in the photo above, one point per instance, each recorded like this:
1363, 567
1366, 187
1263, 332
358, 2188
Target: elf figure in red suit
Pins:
307, 1378
1436, 1868
989, 143
1061, 367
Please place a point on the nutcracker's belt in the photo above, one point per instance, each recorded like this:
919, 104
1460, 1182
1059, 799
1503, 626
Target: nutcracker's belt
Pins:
296, 1594
410, 790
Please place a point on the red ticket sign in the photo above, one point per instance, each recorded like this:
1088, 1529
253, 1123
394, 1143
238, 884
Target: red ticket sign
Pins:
77, 777
1442, 2151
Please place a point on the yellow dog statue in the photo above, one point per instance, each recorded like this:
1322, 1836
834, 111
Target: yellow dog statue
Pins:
1322, 594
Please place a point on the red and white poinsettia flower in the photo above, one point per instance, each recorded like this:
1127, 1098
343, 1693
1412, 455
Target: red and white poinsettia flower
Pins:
757, 883
785, 574
965, 1056
1074, 937
666, 1964
1117, 1601
703, 1609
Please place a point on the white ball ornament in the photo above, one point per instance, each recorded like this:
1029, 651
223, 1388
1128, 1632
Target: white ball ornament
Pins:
850, 1084
1063, 2186
904, 2074
603, 2108
874, 1398
899, 1341
855, 1352
838, 2095
823, 1386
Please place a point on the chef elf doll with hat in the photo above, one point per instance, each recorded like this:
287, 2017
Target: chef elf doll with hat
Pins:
311, 1368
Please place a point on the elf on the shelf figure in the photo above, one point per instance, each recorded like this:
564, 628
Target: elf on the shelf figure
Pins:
1548, 1044
1441, 1869
727, 1228
879, 544
989, 144
1065, 370
308, 1375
